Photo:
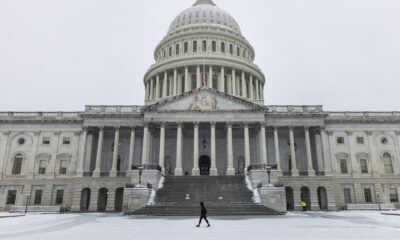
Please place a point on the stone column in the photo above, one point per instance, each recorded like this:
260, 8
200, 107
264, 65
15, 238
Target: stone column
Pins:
277, 155
132, 148
262, 91
246, 147
353, 161
251, 87
81, 168
222, 80
213, 170
145, 143
113, 172
162, 148
244, 89
263, 143
3, 149
157, 87
196, 170
97, 169
165, 84
175, 90
151, 89
198, 82
295, 171
178, 168
310, 169
231, 170
187, 80
147, 94
233, 82
257, 91
210, 76
326, 153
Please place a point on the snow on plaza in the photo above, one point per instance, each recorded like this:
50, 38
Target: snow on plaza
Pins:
310, 225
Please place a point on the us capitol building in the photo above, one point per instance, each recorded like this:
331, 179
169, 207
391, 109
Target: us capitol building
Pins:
204, 115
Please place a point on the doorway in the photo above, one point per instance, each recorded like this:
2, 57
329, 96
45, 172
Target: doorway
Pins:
204, 165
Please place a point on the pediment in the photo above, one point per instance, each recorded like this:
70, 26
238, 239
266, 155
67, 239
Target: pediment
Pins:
204, 100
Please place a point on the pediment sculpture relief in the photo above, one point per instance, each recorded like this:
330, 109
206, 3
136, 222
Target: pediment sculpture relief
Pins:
203, 103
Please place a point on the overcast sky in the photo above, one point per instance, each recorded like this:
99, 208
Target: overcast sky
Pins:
59, 55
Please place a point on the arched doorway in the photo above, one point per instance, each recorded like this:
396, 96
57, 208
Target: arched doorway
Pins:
322, 198
305, 196
119, 197
204, 165
102, 200
85, 199
289, 199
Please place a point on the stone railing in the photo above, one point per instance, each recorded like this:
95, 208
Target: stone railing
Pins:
40, 115
295, 109
113, 109
341, 115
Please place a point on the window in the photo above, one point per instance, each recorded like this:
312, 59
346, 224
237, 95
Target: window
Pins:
185, 47
384, 141
238, 51
66, 141
347, 195
231, 49
340, 140
343, 166
367, 195
21, 141
42, 167
214, 46
177, 49
170, 51
46, 141
364, 165
387, 162
360, 140
63, 167
59, 197
17, 164
223, 47
204, 46
38, 197
195, 46
393, 195
11, 197
164, 53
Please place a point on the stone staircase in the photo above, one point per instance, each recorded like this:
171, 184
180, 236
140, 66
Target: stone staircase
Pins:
222, 195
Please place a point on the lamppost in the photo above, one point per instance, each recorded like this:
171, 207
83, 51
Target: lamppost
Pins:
268, 168
140, 168
28, 196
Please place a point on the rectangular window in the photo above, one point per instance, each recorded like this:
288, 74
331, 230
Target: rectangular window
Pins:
59, 197
364, 165
360, 140
347, 195
343, 166
46, 141
367, 195
393, 195
17, 165
11, 197
63, 167
38, 197
66, 141
340, 140
42, 166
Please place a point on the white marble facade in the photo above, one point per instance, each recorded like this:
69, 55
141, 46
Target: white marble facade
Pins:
204, 113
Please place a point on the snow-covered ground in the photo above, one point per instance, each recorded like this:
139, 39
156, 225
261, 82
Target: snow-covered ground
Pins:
311, 225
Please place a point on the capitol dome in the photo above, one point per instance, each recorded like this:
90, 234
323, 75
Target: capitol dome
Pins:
204, 12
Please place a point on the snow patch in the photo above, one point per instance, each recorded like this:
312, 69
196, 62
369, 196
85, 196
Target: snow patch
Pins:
152, 198
256, 196
161, 183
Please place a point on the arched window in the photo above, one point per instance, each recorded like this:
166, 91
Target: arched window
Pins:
164, 53
16, 170
238, 51
223, 47
170, 51
177, 49
387, 162
214, 46
231, 49
204, 46
194, 46
185, 47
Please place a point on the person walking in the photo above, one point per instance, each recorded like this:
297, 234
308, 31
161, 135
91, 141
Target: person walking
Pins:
203, 215
304, 206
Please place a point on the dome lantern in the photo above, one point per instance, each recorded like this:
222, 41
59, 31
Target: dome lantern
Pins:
204, 2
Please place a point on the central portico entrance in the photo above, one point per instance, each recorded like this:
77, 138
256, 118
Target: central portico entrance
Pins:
205, 165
